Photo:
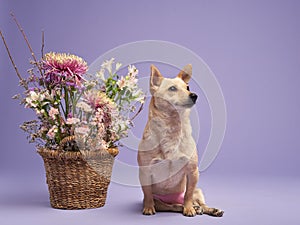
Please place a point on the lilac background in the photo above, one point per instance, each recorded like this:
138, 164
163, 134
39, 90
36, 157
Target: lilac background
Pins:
253, 49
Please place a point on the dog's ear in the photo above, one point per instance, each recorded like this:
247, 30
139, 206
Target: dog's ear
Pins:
186, 73
155, 79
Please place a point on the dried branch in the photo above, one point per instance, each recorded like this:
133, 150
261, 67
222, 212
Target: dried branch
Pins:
138, 112
10, 57
27, 42
43, 43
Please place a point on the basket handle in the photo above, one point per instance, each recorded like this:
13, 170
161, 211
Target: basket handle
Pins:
65, 140
114, 151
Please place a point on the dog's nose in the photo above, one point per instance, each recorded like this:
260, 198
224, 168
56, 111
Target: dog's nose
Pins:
194, 97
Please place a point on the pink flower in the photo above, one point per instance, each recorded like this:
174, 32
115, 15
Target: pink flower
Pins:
62, 68
105, 110
51, 133
53, 112
72, 120
98, 99
82, 130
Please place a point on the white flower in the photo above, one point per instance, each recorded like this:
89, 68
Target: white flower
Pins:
129, 82
123, 126
48, 96
107, 64
121, 83
132, 71
118, 66
39, 112
100, 74
84, 106
41, 97
72, 120
33, 96
33, 99
91, 84
139, 96
29, 103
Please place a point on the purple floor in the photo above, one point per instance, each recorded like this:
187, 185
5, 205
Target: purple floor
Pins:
259, 201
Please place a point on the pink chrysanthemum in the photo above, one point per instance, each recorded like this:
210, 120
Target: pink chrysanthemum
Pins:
97, 99
62, 68
104, 107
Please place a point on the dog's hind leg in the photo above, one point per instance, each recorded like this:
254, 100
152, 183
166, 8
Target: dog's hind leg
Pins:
201, 207
164, 207
161, 206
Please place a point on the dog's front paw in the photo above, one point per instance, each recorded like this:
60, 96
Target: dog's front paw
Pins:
189, 211
149, 211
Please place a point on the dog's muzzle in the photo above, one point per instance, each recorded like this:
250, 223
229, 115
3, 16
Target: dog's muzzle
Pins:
194, 97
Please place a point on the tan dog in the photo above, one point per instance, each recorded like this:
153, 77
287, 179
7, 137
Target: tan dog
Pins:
167, 156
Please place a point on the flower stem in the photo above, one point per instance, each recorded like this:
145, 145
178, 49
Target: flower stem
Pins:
66, 102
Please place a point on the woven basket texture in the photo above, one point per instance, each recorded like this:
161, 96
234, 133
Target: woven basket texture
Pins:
78, 180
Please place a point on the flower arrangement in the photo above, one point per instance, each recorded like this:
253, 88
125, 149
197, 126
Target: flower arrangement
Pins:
75, 111
69, 102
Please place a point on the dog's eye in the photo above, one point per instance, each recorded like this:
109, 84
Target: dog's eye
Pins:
188, 88
172, 88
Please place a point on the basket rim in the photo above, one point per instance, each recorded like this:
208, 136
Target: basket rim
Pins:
50, 153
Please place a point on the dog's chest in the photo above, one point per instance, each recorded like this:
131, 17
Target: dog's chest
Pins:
177, 141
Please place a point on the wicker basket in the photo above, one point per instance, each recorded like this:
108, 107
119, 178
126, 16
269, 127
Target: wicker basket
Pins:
78, 180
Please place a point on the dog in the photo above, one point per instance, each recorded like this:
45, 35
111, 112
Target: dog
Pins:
167, 154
